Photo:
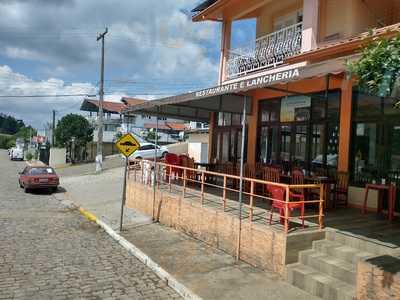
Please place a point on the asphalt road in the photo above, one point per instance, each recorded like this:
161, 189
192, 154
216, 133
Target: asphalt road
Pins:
49, 251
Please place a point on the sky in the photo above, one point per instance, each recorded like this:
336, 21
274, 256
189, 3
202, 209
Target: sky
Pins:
153, 50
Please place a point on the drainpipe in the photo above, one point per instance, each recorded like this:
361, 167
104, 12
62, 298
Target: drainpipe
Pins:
241, 177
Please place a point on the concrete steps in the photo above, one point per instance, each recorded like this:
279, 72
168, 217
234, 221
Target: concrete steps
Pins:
318, 283
359, 244
340, 251
332, 266
329, 269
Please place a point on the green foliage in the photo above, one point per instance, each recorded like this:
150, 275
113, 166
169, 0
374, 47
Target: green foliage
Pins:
25, 133
10, 125
10, 143
6, 141
118, 135
73, 126
379, 66
29, 156
151, 136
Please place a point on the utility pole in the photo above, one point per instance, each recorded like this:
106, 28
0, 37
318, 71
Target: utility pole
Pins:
99, 156
53, 128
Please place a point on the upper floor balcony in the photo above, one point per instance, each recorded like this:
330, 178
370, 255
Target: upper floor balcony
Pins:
268, 51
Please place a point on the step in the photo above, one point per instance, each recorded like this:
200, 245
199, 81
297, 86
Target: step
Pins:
332, 266
319, 284
340, 251
359, 243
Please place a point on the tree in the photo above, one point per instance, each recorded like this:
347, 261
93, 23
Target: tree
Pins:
378, 69
26, 133
73, 126
118, 135
151, 136
10, 125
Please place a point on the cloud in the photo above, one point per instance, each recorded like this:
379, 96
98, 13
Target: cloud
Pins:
37, 111
152, 43
147, 37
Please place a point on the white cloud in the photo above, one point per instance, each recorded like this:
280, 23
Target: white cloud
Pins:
150, 41
37, 111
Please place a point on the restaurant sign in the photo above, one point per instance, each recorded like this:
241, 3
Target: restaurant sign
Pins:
256, 82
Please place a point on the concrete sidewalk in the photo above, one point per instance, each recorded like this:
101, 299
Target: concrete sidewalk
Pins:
207, 272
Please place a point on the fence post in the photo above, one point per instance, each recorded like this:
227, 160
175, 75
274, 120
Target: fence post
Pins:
251, 200
224, 193
142, 170
321, 206
202, 187
286, 220
169, 178
184, 183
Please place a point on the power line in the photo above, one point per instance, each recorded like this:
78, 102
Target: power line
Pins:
45, 96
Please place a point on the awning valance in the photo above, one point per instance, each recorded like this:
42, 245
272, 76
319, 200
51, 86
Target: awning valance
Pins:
196, 106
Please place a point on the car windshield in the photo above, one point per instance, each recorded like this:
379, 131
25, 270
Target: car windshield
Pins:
41, 171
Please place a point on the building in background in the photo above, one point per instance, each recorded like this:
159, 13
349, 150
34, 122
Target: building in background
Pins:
141, 125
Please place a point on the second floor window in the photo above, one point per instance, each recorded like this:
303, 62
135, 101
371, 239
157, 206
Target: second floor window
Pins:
288, 20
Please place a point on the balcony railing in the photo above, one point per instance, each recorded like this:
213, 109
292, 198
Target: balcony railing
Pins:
268, 51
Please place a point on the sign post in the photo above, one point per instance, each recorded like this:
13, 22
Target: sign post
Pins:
127, 145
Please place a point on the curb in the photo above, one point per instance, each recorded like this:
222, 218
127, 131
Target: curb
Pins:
144, 258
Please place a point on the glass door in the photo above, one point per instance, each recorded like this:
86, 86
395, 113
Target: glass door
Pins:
394, 159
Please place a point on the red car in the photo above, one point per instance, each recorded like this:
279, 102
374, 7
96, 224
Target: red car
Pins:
38, 177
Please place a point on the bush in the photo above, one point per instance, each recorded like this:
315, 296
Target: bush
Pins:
10, 143
6, 141
29, 156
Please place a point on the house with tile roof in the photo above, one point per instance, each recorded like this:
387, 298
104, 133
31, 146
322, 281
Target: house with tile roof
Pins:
116, 122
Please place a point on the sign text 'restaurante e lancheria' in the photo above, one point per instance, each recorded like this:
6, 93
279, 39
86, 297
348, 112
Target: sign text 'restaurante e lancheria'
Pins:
250, 83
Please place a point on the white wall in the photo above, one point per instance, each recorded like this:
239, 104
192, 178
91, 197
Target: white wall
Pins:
178, 148
108, 136
58, 157
199, 151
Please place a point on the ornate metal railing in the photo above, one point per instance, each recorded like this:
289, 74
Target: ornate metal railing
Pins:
268, 51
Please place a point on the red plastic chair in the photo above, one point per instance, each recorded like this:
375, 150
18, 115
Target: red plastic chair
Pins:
172, 159
278, 203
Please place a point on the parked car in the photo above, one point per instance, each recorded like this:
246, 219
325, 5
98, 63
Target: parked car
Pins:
17, 154
38, 177
147, 151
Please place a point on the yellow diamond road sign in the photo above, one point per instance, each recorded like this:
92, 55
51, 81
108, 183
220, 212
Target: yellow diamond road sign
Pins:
127, 144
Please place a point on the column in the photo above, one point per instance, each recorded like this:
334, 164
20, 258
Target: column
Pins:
225, 46
211, 140
252, 132
310, 25
345, 125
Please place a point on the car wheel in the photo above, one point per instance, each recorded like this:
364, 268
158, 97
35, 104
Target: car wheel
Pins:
53, 189
20, 185
26, 190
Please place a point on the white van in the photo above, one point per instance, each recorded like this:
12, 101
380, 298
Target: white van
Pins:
17, 154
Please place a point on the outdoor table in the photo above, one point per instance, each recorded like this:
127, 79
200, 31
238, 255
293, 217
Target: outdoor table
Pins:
381, 188
326, 183
208, 167
285, 178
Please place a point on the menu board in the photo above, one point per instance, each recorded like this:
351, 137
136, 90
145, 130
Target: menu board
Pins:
295, 108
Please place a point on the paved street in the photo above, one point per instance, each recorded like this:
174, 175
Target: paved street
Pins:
48, 251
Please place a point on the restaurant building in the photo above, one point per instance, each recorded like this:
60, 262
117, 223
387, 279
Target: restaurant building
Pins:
302, 108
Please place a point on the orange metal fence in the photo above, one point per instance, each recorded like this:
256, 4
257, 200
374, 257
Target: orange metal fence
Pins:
174, 175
